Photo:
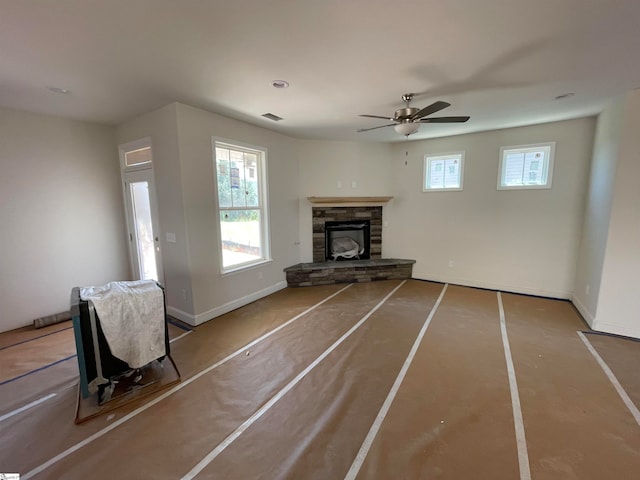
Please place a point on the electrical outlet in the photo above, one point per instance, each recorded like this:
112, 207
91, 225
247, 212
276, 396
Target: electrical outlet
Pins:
354, 184
184, 294
450, 263
586, 290
339, 184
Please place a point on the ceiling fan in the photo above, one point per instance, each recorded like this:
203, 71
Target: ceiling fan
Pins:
407, 120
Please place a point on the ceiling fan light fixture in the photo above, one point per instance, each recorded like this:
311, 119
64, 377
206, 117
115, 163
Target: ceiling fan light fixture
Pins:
407, 128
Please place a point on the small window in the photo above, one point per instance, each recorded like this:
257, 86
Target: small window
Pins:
526, 166
242, 205
137, 157
443, 172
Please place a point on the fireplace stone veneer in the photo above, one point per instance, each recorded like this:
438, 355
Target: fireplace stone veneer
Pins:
350, 271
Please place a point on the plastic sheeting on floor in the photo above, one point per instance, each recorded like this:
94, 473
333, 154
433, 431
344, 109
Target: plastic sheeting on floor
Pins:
301, 398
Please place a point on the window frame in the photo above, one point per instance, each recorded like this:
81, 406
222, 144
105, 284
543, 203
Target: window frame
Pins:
133, 146
549, 147
263, 202
428, 158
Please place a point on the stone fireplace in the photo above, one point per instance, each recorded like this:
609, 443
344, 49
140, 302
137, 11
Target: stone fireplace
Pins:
351, 220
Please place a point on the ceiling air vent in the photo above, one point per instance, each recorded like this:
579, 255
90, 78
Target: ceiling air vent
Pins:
271, 116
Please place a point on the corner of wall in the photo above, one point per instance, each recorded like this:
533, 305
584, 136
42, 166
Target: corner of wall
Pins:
161, 125
584, 311
597, 212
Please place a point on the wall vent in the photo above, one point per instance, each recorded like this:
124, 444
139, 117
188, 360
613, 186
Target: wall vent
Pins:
271, 116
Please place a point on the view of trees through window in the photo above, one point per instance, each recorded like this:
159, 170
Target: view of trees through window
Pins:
238, 173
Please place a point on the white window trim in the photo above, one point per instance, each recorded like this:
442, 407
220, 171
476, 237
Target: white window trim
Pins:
130, 147
551, 146
436, 156
264, 209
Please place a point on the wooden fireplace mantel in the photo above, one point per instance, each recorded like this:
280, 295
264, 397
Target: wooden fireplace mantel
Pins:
349, 201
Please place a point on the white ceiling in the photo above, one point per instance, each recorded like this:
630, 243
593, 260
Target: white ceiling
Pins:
502, 62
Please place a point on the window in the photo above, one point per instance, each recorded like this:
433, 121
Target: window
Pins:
443, 172
136, 155
241, 187
526, 166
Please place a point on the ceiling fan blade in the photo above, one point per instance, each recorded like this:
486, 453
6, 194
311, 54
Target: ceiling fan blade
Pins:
367, 129
433, 108
376, 116
444, 120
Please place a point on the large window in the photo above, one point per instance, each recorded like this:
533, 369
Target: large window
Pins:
241, 187
526, 166
443, 172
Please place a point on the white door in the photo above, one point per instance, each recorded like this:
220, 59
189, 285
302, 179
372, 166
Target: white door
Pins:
142, 219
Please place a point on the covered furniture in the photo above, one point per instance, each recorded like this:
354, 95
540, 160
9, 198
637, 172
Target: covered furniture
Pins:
120, 332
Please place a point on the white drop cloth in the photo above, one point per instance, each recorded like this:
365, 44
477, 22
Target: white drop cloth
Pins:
131, 315
345, 247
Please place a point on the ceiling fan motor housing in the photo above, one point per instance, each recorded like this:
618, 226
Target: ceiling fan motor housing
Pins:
405, 113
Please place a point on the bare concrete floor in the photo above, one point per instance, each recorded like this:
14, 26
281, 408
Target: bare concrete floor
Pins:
382, 380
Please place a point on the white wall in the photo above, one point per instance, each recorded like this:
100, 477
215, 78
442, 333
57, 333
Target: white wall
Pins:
323, 164
162, 127
618, 309
61, 202
214, 293
598, 211
523, 241
61, 213
183, 167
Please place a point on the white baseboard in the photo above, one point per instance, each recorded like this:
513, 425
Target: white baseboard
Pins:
180, 315
584, 311
617, 329
538, 292
200, 318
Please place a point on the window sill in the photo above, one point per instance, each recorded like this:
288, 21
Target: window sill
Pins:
427, 190
244, 267
525, 187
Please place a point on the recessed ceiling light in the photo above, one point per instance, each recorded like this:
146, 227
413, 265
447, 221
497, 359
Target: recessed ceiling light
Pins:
565, 95
62, 91
280, 84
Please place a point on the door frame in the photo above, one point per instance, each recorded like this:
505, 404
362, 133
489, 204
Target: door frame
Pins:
132, 175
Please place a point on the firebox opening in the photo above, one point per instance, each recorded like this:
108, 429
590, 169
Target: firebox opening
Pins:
349, 240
